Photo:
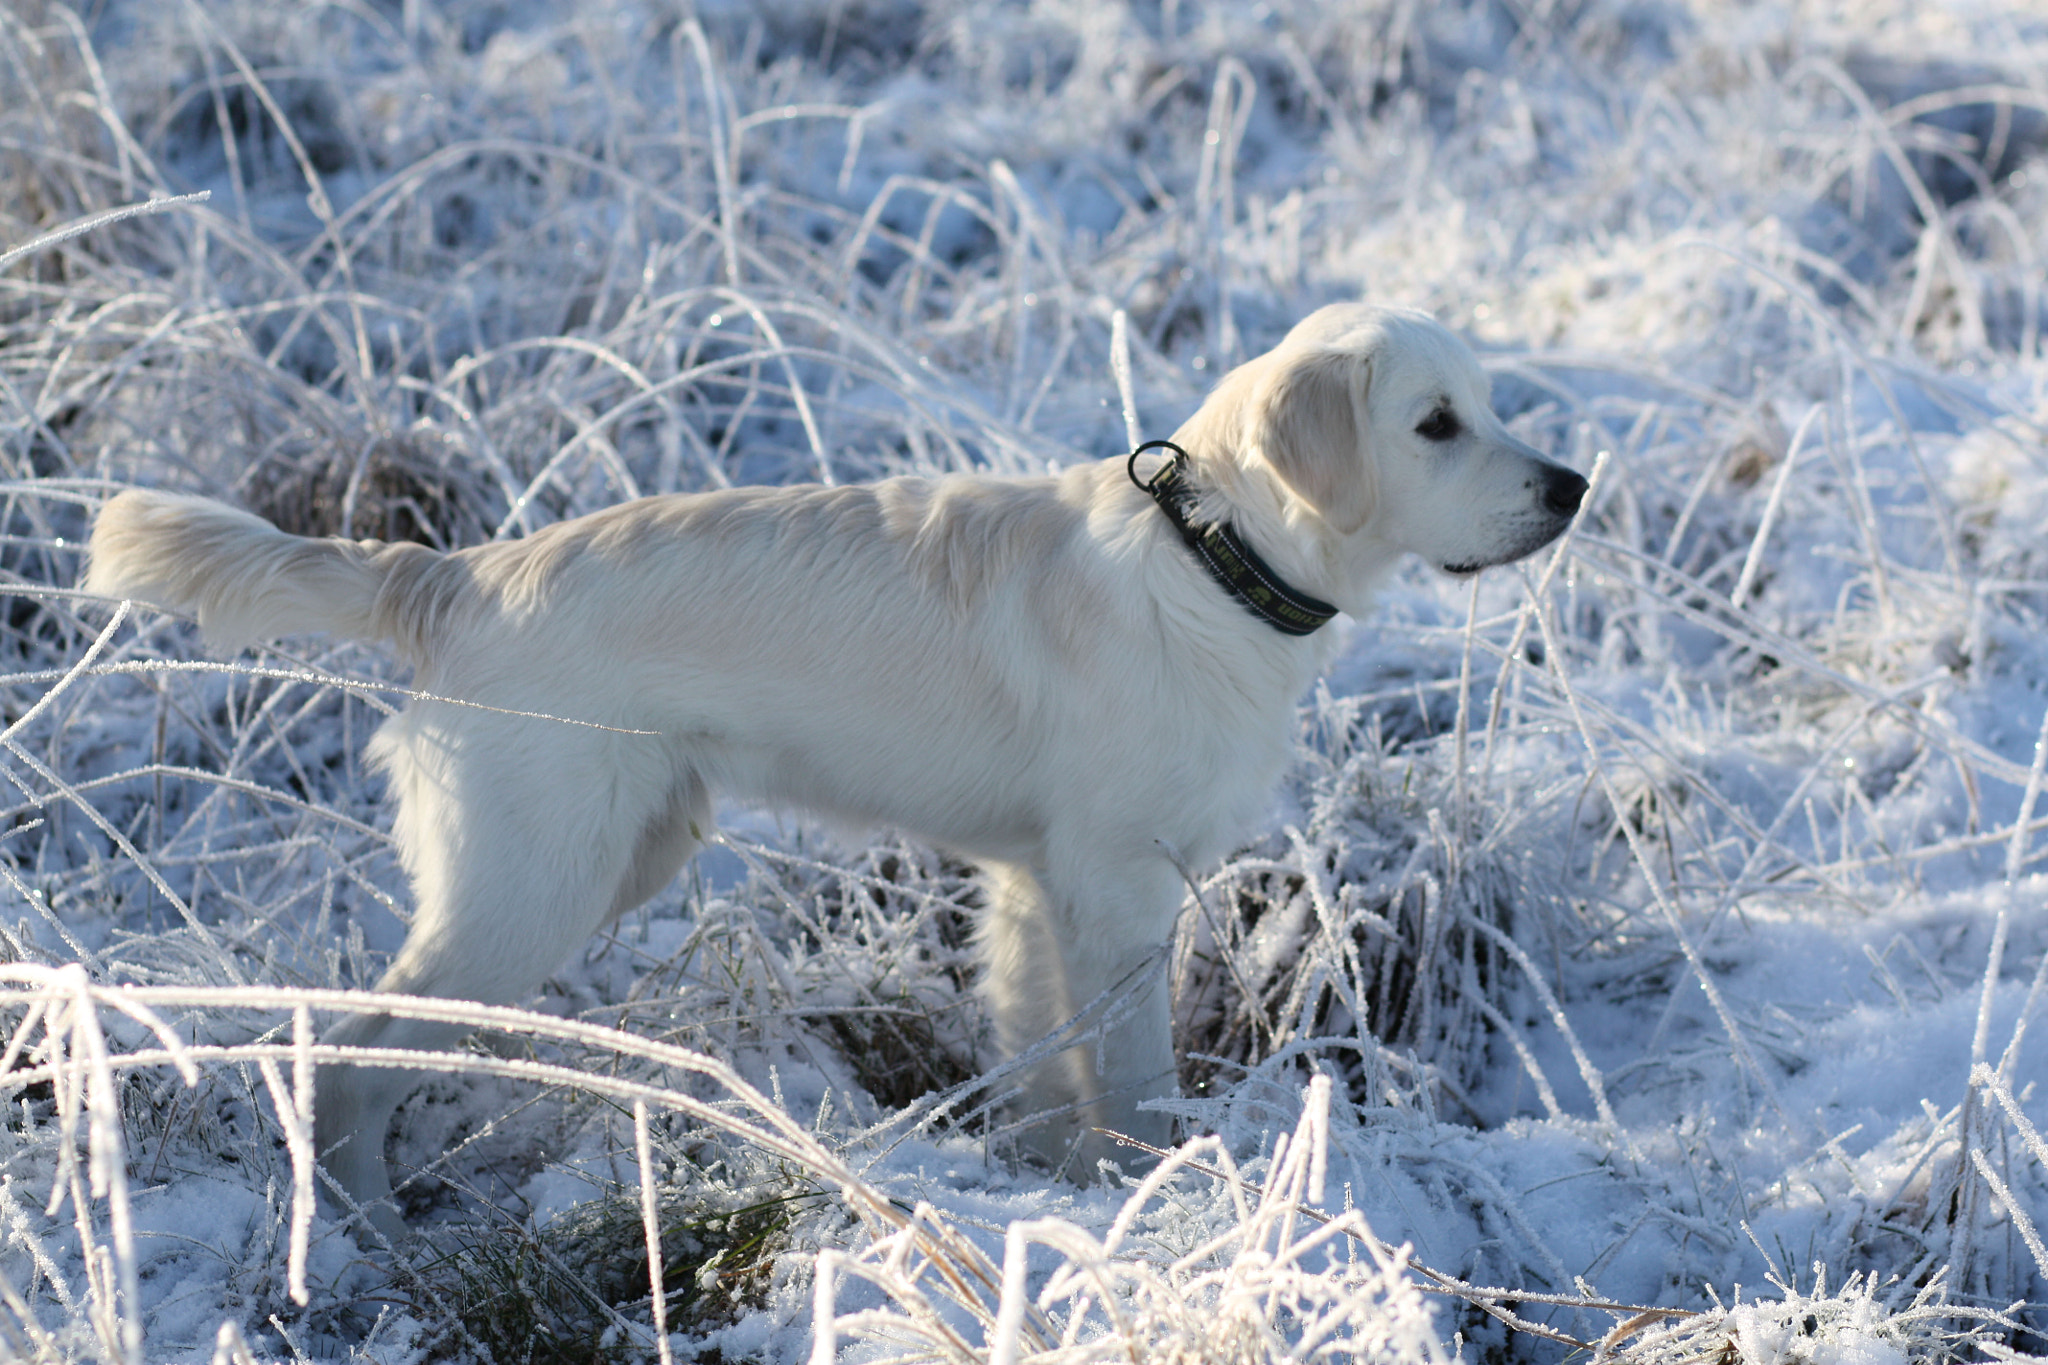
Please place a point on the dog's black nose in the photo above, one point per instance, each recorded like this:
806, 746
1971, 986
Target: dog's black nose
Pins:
1562, 490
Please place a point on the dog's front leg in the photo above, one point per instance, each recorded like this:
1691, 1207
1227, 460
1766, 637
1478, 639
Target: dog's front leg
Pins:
1086, 933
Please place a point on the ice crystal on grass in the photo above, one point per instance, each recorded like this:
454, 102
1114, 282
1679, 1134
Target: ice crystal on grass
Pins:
1277, 1284
1370, 933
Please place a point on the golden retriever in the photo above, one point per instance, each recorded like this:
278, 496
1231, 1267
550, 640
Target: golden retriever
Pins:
1065, 678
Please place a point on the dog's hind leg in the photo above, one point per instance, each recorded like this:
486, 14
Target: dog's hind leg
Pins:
517, 851
355, 1104
667, 841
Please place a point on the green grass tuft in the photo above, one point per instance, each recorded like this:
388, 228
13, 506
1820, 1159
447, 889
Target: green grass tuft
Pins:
575, 1291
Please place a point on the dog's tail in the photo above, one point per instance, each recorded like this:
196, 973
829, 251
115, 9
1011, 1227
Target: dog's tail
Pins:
246, 580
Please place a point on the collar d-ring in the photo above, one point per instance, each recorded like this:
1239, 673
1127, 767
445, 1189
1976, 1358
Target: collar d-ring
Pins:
1179, 461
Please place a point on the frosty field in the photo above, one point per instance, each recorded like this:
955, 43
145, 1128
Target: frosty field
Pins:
1646, 958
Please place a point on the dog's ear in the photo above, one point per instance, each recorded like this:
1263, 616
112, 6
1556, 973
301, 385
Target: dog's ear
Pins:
1310, 425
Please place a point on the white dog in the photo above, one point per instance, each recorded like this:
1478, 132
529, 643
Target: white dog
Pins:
1070, 679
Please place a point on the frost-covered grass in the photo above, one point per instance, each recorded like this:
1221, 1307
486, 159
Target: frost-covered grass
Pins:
1647, 957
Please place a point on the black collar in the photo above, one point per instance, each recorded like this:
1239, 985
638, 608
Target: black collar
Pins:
1224, 554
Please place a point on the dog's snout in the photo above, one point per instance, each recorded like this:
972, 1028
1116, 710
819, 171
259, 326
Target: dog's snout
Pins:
1563, 490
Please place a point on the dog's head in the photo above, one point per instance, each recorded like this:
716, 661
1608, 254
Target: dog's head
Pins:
1376, 421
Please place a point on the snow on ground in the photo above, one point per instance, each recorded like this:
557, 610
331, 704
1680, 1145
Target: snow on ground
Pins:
1658, 924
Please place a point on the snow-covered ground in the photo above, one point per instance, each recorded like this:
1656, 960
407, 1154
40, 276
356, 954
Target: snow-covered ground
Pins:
1658, 924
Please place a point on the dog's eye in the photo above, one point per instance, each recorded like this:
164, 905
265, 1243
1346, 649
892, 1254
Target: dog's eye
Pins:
1440, 425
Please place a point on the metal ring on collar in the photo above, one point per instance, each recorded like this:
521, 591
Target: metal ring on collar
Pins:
1180, 457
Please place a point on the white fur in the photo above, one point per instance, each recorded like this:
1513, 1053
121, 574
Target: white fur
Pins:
1034, 672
